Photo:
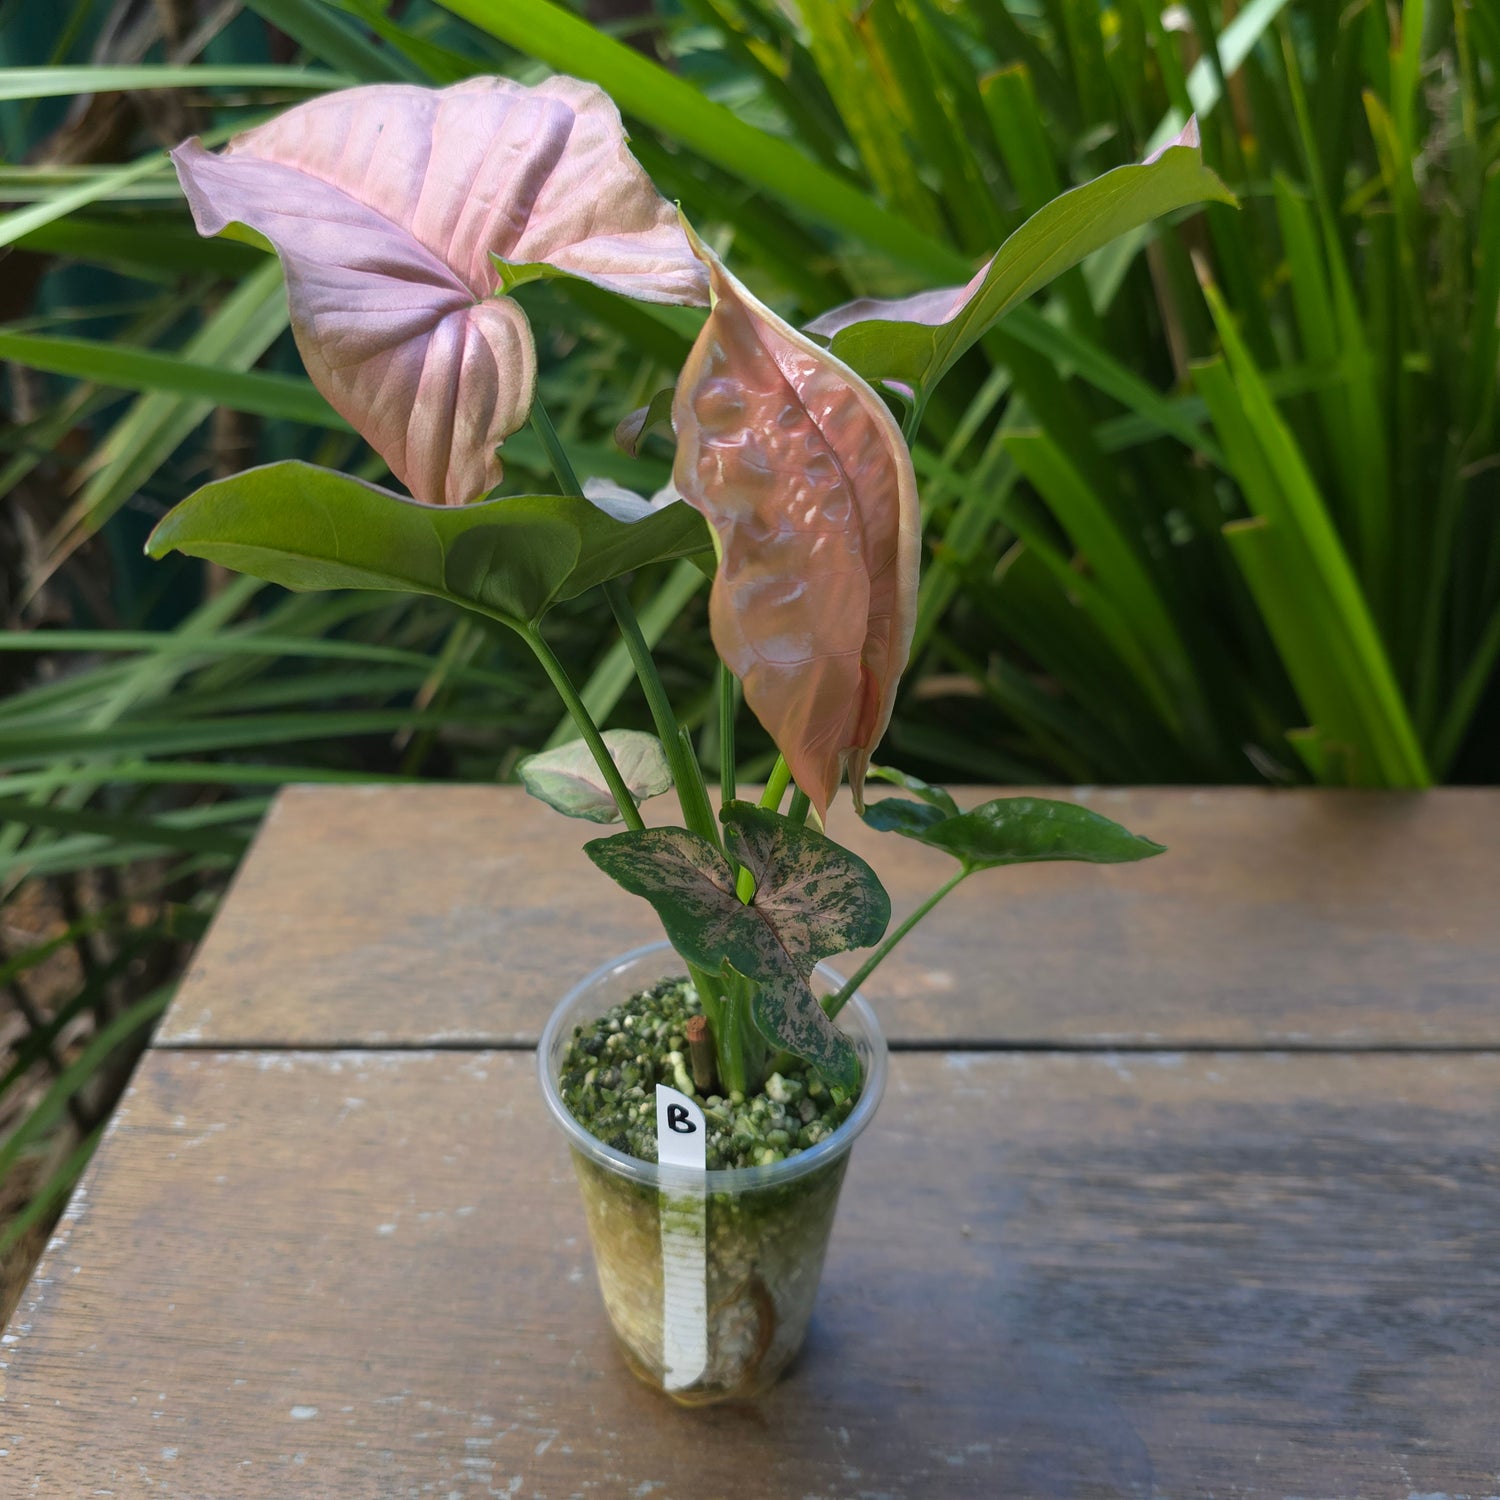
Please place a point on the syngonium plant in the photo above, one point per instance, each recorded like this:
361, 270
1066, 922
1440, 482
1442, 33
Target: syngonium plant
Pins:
404, 217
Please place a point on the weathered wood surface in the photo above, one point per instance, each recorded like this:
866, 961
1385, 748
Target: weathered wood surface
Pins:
319, 1276
404, 915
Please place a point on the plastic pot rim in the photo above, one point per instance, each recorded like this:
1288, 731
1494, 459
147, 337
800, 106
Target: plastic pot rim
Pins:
866, 1035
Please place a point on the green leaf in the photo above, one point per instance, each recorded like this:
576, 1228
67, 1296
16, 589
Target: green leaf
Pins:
568, 778
1047, 244
243, 327
514, 273
1204, 83
45, 83
125, 367
1021, 134
870, 106
441, 65
45, 1199
812, 899
337, 41
46, 1114
615, 672
1278, 485
932, 796
512, 559
1014, 831
88, 187
150, 251
168, 835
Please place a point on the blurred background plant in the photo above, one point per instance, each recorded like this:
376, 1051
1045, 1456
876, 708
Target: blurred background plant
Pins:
1222, 507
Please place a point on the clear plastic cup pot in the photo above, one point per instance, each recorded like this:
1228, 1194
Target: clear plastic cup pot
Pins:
764, 1229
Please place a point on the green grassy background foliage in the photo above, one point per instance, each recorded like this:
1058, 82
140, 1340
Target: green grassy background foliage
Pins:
1222, 505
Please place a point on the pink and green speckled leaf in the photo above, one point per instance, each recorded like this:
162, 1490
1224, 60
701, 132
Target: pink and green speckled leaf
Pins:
812, 899
401, 214
804, 477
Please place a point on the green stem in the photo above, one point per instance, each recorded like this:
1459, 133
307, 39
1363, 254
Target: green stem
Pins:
776, 784
697, 811
833, 1004
562, 465
692, 794
911, 418
801, 805
745, 1041
728, 702
586, 727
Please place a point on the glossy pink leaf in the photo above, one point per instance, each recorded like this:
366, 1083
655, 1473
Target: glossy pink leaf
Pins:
390, 207
802, 472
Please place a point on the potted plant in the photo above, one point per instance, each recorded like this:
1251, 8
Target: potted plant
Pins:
404, 218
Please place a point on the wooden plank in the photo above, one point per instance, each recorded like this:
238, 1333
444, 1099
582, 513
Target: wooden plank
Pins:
350, 1275
408, 915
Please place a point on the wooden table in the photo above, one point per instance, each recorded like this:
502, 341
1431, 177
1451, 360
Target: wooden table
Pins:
1187, 1183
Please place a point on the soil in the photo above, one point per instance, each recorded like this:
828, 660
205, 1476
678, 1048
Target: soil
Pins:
610, 1071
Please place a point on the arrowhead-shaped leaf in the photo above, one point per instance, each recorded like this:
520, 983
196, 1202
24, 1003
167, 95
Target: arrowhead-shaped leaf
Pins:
812, 899
310, 528
1013, 831
934, 796
803, 474
632, 430
390, 206
568, 777
914, 341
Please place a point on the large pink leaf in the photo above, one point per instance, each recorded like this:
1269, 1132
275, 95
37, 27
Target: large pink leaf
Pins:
389, 206
802, 472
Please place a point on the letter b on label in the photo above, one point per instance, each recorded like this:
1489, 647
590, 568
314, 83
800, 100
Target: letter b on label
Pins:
681, 1135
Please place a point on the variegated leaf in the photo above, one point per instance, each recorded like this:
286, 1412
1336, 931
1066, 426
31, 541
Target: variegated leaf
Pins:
812, 899
568, 778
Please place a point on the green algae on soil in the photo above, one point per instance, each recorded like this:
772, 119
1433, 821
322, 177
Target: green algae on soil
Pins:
611, 1068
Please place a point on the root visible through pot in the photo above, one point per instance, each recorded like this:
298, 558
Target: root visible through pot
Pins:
763, 1256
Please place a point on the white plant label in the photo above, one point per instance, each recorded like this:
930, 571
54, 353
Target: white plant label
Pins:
682, 1141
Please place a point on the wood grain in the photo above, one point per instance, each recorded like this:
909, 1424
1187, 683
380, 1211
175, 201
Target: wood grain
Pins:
406, 915
344, 1276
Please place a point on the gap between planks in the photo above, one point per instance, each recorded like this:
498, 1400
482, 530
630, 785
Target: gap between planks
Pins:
946, 1044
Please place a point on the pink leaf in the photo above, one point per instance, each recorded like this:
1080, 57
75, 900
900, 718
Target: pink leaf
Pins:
389, 206
931, 308
1188, 136
803, 474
